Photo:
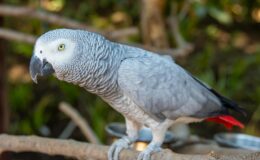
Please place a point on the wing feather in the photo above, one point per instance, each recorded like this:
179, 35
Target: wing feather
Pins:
165, 90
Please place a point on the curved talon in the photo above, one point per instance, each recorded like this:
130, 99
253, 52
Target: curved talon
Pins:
117, 152
117, 147
111, 152
144, 156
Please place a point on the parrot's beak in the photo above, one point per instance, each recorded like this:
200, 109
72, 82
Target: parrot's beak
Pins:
41, 68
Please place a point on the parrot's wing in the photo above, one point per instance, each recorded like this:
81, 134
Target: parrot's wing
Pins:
165, 90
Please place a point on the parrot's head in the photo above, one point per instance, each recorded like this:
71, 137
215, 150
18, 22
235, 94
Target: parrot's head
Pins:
65, 53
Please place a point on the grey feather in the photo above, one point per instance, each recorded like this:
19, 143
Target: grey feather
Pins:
148, 89
154, 83
163, 89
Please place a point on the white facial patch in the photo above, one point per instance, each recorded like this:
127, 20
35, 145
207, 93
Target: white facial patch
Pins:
53, 53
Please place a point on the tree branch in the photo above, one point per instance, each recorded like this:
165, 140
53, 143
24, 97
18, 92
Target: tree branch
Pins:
14, 11
17, 36
153, 24
66, 133
184, 10
83, 151
7, 10
184, 48
79, 121
121, 33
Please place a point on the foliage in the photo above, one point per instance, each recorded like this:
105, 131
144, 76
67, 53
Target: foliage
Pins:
227, 57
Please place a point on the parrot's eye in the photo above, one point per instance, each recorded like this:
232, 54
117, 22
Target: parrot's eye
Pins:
61, 47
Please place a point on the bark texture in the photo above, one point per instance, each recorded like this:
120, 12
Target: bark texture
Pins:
153, 24
84, 151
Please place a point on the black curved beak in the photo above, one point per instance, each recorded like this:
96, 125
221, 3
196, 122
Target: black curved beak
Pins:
41, 68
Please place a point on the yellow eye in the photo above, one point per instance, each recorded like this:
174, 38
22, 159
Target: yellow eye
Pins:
61, 47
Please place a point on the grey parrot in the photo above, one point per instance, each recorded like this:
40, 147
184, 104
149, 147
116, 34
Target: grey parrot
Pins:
146, 88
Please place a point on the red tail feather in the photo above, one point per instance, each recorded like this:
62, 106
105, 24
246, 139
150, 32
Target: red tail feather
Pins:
228, 121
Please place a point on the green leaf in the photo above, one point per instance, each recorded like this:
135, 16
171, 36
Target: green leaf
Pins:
221, 16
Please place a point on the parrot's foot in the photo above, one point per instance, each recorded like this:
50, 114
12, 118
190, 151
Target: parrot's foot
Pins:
151, 148
117, 147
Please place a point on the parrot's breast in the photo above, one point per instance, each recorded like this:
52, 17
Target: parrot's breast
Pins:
129, 109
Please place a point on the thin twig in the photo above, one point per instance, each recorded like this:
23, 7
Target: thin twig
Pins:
184, 10
184, 48
79, 121
83, 151
71, 126
174, 25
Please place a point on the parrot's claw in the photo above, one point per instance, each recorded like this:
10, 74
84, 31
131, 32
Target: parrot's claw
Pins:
146, 154
117, 147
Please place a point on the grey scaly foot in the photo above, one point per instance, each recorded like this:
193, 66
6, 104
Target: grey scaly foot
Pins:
117, 147
151, 148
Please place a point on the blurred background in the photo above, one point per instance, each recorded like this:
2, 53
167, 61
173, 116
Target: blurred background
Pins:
217, 41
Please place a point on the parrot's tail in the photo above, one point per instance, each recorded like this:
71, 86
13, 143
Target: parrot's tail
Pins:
229, 104
226, 103
227, 121
224, 118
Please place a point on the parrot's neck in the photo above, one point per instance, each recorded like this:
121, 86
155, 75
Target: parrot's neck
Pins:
98, 71
103, 80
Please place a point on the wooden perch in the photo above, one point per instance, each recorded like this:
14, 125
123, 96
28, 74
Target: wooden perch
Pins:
79, 121
83, 151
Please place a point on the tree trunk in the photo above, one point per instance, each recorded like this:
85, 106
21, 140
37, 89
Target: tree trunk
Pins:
4, 117
153, 24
